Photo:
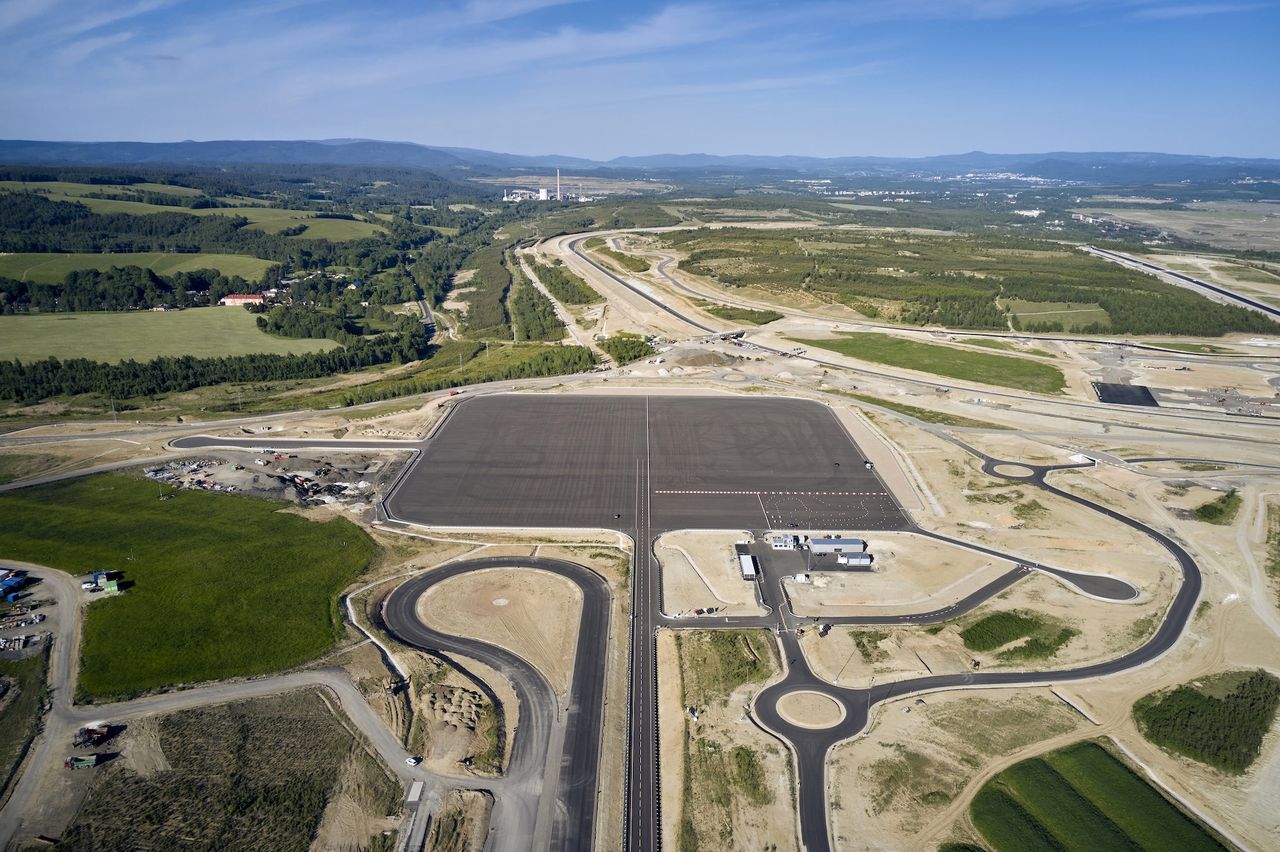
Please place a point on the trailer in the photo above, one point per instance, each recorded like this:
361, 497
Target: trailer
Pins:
748, 565
858, 559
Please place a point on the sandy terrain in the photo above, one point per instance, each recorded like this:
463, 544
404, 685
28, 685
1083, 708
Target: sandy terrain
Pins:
912, 574
718, 728
920, 754
810, 709
700, 571
531, 613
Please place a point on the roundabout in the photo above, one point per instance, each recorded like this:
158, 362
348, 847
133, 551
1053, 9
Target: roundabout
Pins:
806, 708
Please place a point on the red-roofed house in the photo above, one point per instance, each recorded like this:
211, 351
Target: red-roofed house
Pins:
241, 299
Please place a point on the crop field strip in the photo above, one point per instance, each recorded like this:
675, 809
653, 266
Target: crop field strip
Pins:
1081, 798
52, 268
114, 336
955, 363
268, 219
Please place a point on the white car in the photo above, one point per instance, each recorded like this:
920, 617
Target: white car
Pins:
413, 761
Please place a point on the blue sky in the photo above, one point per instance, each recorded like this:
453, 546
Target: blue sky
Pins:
600, 79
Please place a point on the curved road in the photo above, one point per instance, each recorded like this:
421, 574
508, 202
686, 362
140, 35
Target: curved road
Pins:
580, 724
812, 746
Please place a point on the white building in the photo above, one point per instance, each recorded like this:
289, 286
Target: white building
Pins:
784, 542
861, 559
832, 544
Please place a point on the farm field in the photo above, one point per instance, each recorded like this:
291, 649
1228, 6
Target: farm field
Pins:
255, 775
1229, 224
220, 586
143, 335
52, 268
269, 219
1072, 315
1080, 797
986, 368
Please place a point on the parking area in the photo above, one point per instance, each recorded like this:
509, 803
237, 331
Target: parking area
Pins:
518, 460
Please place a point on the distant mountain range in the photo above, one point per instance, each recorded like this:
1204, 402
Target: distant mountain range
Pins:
1088, 166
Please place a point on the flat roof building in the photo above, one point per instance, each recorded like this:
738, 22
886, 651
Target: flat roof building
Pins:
837, 545
784, 542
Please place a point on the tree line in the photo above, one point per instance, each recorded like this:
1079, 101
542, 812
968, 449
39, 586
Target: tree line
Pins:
123, 288
1224, 732
38, 380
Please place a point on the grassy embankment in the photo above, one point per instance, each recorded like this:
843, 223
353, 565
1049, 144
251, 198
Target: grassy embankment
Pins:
1221, 721
713, 664
984, 368
625, 262
923, 414
20, 711
1272, 560
744, 315
143, 335
1221, 511
52, 268
254, 775
1043, 637
1081, 797
1199, 348
220, 586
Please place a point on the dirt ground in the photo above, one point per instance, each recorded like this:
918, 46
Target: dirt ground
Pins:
920, 754
912, 574
810, 709
531, 613
736, 824
461, 824
700, 571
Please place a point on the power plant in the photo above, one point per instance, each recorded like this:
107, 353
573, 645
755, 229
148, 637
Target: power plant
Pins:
543, 193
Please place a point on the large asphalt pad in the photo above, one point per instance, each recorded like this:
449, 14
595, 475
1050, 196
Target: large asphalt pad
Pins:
577, 461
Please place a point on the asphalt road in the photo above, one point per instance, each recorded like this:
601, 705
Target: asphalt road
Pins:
645, 465
524, 822
812, 746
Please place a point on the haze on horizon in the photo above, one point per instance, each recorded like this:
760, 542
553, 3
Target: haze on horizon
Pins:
869, 77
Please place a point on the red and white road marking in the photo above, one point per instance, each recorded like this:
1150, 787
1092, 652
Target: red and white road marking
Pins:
782, 493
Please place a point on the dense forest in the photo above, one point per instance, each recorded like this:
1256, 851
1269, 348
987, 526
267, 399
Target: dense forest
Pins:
624, 347
532, 313
1225, 732
565, 285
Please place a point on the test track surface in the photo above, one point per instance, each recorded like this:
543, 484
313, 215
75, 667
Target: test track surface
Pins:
599, 453
582, 718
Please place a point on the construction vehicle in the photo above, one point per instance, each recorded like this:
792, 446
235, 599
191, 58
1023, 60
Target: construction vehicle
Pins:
81, 762
92, 734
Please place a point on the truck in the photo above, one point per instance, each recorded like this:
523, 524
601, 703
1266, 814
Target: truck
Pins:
75, 761
92, 734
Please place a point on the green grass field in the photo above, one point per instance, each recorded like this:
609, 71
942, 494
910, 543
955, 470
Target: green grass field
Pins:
75, 190
925, 414
985, 368
1081, 798
222, 586
269, 219
142, 335
1071, 315
52, 268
